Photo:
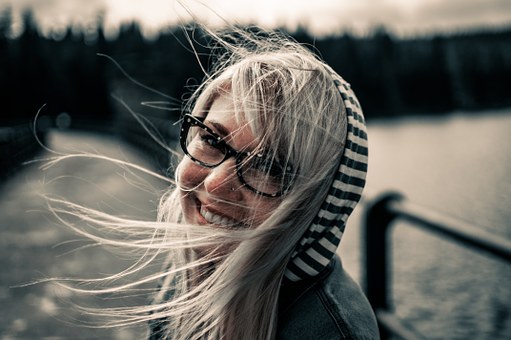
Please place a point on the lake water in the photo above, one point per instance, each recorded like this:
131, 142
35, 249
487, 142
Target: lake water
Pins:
459, 165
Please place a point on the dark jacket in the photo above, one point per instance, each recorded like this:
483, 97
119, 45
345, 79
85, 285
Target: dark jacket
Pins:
329, 306
326, 307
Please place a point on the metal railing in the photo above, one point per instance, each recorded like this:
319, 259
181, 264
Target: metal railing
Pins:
379, 216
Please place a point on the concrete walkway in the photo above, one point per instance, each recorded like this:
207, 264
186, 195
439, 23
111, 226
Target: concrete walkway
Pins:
33, 245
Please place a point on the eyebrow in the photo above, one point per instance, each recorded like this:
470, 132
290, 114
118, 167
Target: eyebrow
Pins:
224, 133
222, 130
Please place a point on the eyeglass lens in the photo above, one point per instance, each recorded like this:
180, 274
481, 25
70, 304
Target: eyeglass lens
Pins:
255, 171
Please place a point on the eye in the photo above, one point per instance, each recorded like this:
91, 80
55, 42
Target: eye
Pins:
208, 139
205, 147
265, 175
267, 167
211, 140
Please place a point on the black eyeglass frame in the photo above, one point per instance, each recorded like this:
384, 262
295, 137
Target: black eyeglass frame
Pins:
239, 156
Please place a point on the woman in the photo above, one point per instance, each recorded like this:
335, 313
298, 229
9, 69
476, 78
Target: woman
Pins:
275, 158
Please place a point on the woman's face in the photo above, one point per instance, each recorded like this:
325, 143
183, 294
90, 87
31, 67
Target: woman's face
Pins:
215, 196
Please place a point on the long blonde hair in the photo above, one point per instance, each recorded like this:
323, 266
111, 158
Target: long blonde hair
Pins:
287, 96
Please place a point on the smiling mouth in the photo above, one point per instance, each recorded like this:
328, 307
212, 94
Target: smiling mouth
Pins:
216, 219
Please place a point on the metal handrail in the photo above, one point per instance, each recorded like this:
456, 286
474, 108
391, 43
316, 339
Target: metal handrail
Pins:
379, 215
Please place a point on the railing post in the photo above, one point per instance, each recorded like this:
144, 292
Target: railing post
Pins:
377, 275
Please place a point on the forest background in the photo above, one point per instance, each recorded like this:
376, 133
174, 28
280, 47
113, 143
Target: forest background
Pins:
424, 75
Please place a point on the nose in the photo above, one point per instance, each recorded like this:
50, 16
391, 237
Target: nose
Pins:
222, 181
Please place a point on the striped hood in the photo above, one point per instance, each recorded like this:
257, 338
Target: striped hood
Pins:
319, 243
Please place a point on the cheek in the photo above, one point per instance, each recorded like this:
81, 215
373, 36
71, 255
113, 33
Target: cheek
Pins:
264, 210
188, 178
189, 174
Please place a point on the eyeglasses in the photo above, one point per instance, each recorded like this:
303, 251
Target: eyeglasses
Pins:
256, 171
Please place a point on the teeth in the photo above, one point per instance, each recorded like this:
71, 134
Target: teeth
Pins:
216, 219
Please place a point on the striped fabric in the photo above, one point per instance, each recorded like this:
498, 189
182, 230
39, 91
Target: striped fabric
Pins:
319, 243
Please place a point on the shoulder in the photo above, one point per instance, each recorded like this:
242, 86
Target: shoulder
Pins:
331, 307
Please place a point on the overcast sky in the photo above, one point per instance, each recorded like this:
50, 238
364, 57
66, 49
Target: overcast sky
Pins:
403, 17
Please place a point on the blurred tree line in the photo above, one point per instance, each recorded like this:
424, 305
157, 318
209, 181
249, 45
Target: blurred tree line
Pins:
427, 75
